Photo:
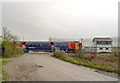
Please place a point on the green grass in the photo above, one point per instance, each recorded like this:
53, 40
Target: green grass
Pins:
88, 65
13, 56
3, 61
101, 55
4, 75
106, 55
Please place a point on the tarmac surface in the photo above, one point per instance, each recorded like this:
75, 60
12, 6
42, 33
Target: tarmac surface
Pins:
44, 67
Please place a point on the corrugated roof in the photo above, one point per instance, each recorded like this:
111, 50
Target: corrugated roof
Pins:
102, 39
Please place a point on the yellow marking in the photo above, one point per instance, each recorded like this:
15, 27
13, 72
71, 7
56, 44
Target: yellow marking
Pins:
77, 46
17, 45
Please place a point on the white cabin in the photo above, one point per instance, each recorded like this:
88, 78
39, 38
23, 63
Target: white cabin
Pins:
103, 44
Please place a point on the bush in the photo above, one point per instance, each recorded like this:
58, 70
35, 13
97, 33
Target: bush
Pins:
79, 54
116, 51
59, 53
9, 49
89, 57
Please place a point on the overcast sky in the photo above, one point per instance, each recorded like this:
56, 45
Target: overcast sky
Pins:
72, 19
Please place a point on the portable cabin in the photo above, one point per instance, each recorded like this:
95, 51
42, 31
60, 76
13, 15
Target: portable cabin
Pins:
103, 44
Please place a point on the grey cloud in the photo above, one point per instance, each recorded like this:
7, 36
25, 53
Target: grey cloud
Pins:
40, 20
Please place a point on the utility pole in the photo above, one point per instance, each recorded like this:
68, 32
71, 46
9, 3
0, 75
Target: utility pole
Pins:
50, 39
23, 38
82, 41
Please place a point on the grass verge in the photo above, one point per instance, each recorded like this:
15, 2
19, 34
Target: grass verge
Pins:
88, 65
2, 72
13, 56
4, 75
3, 61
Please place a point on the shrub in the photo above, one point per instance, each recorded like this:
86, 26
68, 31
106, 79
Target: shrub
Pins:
79, 54
9, 50
116, 51
59, 53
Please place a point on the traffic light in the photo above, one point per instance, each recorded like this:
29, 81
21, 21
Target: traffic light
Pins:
24, 43
52, 43
80, 45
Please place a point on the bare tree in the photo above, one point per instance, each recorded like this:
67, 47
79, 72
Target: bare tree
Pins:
7, 36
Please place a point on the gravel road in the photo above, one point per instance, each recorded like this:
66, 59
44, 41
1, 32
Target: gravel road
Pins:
43, 67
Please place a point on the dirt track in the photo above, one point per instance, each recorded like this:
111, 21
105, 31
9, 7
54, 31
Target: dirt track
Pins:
43, 67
